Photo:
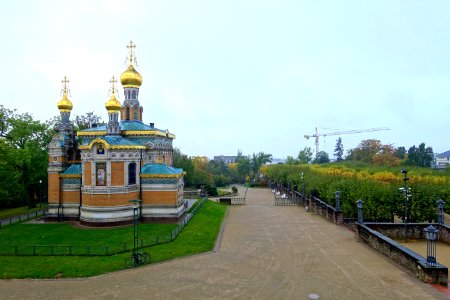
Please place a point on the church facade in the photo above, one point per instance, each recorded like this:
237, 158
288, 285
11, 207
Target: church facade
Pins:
94, 173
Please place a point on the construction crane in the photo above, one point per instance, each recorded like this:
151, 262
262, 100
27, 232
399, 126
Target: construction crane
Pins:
316, 134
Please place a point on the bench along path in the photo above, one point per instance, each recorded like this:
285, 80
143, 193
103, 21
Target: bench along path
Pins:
266, 252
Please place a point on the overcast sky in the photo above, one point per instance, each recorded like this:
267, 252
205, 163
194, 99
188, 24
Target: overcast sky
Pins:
249, 75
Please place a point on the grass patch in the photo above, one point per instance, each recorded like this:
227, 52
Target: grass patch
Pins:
11, 212
197, 237
65, 234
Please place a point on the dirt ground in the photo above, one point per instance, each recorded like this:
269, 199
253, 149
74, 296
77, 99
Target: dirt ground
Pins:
265, 252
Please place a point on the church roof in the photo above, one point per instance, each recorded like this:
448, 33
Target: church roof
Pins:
126, 125
73, 169
128, 128
119, 141
160, 169
112, 142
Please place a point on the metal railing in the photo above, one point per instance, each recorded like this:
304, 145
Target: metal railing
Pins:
22, 218
97, 250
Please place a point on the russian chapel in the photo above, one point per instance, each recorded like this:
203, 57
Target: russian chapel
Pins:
94, 173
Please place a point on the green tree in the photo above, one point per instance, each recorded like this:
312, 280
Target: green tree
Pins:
420, 156
292, 161
23, 157
87, 121
182, 161
339, 150
244, 167
258, 160
321, 158
400, 152
305, 156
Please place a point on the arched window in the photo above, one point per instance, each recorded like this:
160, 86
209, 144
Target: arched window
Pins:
135, 114
129, 95
132, 173
134, 95
127, 113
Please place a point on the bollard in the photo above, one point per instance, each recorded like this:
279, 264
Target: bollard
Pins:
441, 215
431, 234
359, 204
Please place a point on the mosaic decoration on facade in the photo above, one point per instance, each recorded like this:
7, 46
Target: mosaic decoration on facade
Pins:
158, 181
100, 171
72, 181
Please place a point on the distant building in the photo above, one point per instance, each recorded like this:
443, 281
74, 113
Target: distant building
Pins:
278, 161
225, 159
442, 161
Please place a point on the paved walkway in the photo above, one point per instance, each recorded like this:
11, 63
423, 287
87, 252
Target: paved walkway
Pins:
266, 252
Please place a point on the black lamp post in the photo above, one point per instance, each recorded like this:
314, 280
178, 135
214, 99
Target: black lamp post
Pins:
441, 215
40, 193
303, 184
135, 224
431, 234
406, 194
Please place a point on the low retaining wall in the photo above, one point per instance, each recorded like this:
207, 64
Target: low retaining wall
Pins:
325, 210
400, 254
396, 231
312, 204
232, 200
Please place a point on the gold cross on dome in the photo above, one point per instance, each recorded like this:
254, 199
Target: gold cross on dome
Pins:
113, 81
131, 45
65, 81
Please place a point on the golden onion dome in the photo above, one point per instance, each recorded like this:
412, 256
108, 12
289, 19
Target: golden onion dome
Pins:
113, 105
131, 78
65, 105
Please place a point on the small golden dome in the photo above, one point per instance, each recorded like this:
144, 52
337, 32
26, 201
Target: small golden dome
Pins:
131, 78
65, 105
113, 105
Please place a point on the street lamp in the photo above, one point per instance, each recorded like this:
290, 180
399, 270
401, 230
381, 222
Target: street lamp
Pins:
406, 194
431, 234
141, 257
40, 195
303, 185
135, 223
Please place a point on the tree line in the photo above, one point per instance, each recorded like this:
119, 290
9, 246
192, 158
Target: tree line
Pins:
369, 151
200, 171
24, 155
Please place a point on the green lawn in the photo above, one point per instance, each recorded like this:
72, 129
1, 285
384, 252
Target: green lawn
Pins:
65, 234
11, 212
198, 236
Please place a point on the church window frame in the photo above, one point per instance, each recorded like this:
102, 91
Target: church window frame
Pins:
131, 173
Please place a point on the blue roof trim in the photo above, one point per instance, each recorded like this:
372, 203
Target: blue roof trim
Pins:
98, 128
119, 141
125, 125
136, 125
160, 169
73, 169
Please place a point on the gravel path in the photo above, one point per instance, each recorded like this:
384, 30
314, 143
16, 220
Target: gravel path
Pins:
266, 252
